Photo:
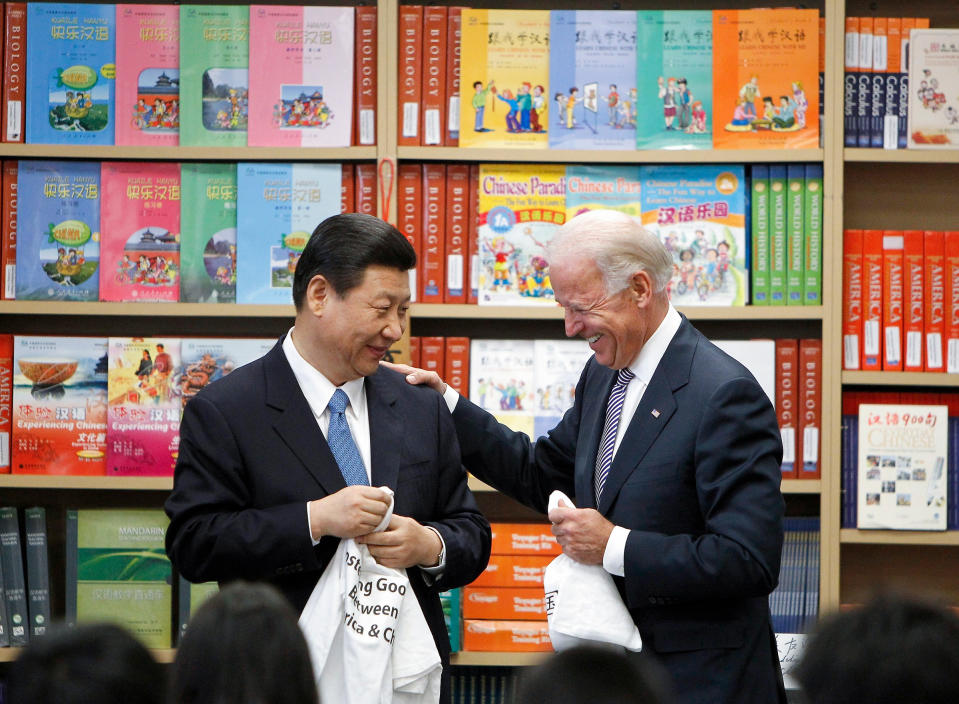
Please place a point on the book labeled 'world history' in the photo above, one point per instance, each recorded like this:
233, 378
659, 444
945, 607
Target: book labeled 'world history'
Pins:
208, 233
590, 187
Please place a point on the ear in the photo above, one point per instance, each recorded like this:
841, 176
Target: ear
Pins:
318, 292
641, 288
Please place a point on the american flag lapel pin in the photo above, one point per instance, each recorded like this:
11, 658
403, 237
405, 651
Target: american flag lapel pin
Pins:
655, 413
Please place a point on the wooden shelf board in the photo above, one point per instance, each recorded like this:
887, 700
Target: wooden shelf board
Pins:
898, 537
789, 486
595, 156
906, 156
177, 310
494, 659
100, 483
900, 378
146, 153
549, 312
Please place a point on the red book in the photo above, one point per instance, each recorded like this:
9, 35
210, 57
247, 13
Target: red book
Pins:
457, 232
411, 74
457, 370
415, 351
952, 301
810, 404
913, 269
348, 192
872, 300
433, 122
433, 354
14, 71
787, 380
8, 246
364, 76
934, 326
472, 294
366, 188
454, 24
432, 272
409, 202
892, 300
851, 299
6, 400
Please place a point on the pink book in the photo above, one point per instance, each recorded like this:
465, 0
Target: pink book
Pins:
143, 420
301, 77
148, 75
140, 231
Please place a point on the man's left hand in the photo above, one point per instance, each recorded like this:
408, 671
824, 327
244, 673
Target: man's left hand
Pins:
403, 544
581, 532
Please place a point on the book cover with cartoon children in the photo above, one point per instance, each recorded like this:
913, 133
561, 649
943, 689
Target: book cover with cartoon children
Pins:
504, 59
674, 52
143, 421
279, 206
597, 187
592, 79
698, 211
765, 79
559, 366
58, 230
148, 75
206, 359
301, 91
520, 207
59, 405
208, 233
71, 65
214, 75
934, 89
140, 231
503, 381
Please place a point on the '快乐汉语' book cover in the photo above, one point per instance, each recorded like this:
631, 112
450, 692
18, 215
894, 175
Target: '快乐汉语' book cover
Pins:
934, 89
206, 359
208, 233
591, 187
301, 93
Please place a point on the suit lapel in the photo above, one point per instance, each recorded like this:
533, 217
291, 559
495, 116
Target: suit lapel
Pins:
385, 431
591, 429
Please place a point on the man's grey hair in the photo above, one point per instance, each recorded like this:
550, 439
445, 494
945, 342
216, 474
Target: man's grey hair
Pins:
617, 244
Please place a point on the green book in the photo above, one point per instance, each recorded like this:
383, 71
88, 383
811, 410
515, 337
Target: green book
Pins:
190, 599
812, 221
777, 235
208, 233
118, 571
14, 584
759, 224
795, 187
452, 614
38, 570
214, 75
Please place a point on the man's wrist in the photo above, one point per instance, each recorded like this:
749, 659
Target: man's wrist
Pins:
433, 556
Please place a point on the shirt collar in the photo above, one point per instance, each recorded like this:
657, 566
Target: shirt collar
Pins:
316, 387
655, 348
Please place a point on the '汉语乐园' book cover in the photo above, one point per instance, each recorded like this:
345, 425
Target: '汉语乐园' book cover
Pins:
208, 233
206, 359
934, 89
591, 187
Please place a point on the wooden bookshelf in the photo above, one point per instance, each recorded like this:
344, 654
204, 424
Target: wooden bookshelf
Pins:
899, 537
577, 156
900, 379
150, 153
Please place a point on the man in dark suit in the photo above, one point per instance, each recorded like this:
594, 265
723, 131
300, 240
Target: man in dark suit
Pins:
269, 479
672, 452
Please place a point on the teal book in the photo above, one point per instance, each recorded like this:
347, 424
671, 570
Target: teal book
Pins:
603, 188
674, 91
759, 226
813, 224
208, 233
190, 598
452, 602
14, 582
795, 185
38, 570
777, 235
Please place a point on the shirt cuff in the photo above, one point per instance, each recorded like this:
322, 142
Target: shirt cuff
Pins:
435, 572
614, 559
452, 397
309, 525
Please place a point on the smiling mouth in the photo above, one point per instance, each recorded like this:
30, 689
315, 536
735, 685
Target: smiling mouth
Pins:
594, 338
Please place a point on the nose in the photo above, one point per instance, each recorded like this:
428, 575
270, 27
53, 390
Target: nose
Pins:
395, 326
571, 322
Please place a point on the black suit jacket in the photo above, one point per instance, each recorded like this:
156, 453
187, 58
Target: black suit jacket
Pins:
697, 481
252, 455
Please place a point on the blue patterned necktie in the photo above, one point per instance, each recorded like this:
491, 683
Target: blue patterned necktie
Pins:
614, 408
341, 442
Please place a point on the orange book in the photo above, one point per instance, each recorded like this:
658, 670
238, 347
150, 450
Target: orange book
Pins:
364, 76
787, 381
415, 351
504, 603
872, 300
952, 301
851, 299
922, 23
457, 233
472, 294
433, 354
912, 310
6, 400
348, 190
523, 539
506, 636
893, 296
454, 24
456, 371
934, 325
514, 571
894, 46
8, 245
14, 71
810, 407
765, 79
411, 75
433, 121
409, 202
432, 271
366, 189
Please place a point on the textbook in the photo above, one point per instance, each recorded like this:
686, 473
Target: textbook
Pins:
38, 569
13, 590
559, 366
591, 187
503, 381
208, 233
933, 89
191, 598
206, 359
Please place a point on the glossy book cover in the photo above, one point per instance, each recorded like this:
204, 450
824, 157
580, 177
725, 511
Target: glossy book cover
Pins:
590, 187
208, 233
207, 359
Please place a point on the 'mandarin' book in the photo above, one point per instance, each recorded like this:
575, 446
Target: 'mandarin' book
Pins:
208, 233
71, 55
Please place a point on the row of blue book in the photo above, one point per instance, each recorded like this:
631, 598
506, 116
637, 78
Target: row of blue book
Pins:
794, 604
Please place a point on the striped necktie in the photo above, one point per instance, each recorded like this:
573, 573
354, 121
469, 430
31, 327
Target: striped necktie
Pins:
614, 408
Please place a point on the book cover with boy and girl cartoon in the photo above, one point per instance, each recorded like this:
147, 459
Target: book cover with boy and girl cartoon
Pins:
934, 89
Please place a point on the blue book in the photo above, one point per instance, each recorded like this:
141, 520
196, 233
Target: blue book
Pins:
278, 207
58, 230
674, 51
71, 62
592, 79
603, 188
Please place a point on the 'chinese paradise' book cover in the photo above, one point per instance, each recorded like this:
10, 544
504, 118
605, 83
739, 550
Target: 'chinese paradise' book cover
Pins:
603, 188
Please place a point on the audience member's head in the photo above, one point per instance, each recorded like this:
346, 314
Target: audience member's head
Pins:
595, 674
87, 664
894, 649
243, 646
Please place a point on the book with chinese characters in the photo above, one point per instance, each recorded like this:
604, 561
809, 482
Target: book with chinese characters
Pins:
590, 187
206, 359
934, 89
191, 597
503, 381
559, 366
208, 233
13, 594
38, 569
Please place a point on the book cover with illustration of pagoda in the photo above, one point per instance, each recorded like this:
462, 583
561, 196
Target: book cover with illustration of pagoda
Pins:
208, 233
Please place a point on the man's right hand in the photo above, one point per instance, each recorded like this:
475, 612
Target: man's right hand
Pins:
418, 376
352, 511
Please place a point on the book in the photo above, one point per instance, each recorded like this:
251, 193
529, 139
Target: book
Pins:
795, 249
348, 188
520, 207
698, 212
301, 91
812, 235
8, 245
877, 81
934, 330
849, 107
759, 232
759, 357
364, 76
208, 196
214, 75
365, 188
59, 405
71, 64
14, 582
472, 295
951, 338
14, 72
591, 187
433, 90
902, 466
864, 81
892, 299
278, 207
502, 381
765, 69
58, 226
457, 364
592, 75
432, 265
6, 400
852, 298
433, 353
143, 419
409, 203
787, 404
454, 36
810, 407
203, 360
457, 232
673, 104
190, 597
504, 57
117, 571
410, 70
778, 239
140, 231
38, 569
148, 75
872, 300
560, 365
913, 307
933, 118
